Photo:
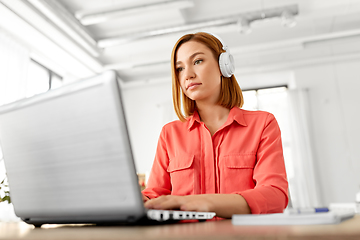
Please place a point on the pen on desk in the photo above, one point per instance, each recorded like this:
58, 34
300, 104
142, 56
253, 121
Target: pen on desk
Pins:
307, 210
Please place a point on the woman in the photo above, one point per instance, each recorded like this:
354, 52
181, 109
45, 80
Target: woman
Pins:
218, 157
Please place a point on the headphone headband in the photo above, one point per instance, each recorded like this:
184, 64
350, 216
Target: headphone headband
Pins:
226, 60
224, 46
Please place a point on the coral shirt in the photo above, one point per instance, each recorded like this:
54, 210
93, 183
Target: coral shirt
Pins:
243, 157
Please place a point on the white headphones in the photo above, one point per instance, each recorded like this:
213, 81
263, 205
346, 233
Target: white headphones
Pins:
226, 60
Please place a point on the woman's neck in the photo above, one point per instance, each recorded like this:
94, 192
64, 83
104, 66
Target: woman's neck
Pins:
214, 116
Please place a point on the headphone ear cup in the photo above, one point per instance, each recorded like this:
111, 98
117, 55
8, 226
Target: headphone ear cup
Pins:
226, 63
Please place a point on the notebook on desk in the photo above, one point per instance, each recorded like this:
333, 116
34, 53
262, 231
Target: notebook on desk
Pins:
69, 160
331, 217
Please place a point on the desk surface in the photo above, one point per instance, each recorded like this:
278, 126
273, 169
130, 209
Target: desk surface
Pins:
349, 229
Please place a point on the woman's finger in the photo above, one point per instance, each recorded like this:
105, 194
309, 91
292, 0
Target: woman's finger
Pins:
164, 202
196, 205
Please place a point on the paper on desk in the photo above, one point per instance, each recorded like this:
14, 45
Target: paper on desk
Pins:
331, 217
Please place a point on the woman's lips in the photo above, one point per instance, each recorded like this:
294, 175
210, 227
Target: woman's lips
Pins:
192, 86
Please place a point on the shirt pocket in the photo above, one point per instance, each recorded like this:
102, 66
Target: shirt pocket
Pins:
181, 171
236, 172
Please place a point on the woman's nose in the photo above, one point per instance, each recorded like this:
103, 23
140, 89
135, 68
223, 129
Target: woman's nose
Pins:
189, 73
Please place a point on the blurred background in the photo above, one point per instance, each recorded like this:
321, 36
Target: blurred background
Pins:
299, 59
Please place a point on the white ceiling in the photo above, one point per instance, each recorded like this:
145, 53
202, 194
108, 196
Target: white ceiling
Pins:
123, 33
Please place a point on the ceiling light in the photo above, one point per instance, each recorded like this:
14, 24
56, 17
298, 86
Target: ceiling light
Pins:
288, 19
109, 42
243, 25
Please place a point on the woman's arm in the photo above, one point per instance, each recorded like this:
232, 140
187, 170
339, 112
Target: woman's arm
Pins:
159, 179
271, 192
224, 205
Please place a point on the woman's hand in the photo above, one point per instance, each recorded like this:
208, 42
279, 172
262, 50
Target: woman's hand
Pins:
144, 198
225, 205
197, 203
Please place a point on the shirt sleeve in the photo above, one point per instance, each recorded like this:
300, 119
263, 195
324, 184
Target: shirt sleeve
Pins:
270, 194
159, 179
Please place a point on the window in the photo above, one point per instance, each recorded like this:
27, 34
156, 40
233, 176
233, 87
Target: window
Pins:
41, 79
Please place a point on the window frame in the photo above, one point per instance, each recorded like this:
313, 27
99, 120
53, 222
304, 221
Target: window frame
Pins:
51, 73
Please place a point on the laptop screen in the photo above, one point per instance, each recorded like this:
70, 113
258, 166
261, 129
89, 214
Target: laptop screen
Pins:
67, 153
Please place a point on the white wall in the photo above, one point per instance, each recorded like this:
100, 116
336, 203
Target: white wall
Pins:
333, 90
335, 126
148, 107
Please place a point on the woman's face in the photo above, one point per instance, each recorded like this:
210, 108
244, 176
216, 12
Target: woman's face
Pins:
198, 72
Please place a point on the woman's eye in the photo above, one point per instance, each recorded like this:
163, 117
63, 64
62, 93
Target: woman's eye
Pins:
198, 61
179, 69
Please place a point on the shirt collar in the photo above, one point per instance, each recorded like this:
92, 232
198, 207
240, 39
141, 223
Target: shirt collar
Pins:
236, 114
192, 119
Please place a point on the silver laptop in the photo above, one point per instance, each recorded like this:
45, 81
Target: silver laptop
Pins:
68, 157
